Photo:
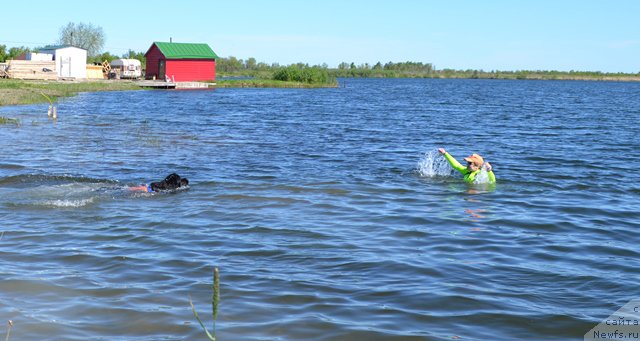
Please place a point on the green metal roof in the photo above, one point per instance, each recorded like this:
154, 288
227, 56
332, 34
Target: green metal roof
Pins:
186, 51
57, 47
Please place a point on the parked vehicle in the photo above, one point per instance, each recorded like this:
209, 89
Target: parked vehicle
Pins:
125, 68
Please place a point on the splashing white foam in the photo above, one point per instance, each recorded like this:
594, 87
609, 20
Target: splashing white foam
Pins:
482, 177
67, 202
433, 164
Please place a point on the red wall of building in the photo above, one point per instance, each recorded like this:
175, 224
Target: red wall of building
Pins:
153, 56
180, 70
185, 70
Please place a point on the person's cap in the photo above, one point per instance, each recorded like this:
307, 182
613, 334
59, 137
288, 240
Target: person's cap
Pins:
475, 159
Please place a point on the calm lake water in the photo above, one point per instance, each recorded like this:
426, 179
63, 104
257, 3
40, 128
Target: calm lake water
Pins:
328, 212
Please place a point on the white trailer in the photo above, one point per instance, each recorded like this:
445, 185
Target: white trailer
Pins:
126, 68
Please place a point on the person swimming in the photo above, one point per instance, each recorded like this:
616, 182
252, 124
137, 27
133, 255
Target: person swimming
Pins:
171, 182
475, 163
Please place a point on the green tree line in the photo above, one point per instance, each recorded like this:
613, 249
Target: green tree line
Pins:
300, 72
12, 52
233, 66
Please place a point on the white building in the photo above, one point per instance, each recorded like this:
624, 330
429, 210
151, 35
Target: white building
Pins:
70, 61
39, 57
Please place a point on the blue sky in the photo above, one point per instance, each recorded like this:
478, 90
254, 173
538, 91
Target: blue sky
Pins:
490, 35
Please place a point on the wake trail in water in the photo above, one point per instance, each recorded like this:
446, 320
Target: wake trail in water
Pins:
48, 191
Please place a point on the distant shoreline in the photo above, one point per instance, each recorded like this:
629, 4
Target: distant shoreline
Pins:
532, 76
17, 92
474, 74
237, 68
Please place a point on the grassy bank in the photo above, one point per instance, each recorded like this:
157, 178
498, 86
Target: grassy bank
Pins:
268, 83
295, 76
14, 91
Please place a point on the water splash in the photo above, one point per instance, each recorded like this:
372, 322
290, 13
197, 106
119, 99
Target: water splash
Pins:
482, 177
64, 203
433, 164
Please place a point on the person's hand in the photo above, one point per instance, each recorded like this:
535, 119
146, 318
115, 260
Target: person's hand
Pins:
442, 151
487, 166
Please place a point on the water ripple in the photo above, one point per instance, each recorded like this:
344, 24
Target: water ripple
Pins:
329, 212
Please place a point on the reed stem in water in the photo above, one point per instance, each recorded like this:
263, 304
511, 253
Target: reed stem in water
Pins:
215, 300
9, 325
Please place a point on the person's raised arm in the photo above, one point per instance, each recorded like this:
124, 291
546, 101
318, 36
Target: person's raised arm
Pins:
452, 161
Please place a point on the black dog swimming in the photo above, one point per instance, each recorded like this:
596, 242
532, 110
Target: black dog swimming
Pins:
171, 182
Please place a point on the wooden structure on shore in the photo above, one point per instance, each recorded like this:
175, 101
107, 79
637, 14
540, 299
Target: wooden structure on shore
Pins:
95, 72
29, 69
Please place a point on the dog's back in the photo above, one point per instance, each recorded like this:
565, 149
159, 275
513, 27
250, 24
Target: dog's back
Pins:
172, 181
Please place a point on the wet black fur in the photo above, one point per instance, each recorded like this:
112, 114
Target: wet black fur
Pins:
171, 182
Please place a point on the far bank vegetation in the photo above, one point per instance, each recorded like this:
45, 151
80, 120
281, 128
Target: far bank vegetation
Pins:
234, 72
234, 67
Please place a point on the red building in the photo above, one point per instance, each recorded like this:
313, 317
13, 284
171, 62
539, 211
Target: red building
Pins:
181, 62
